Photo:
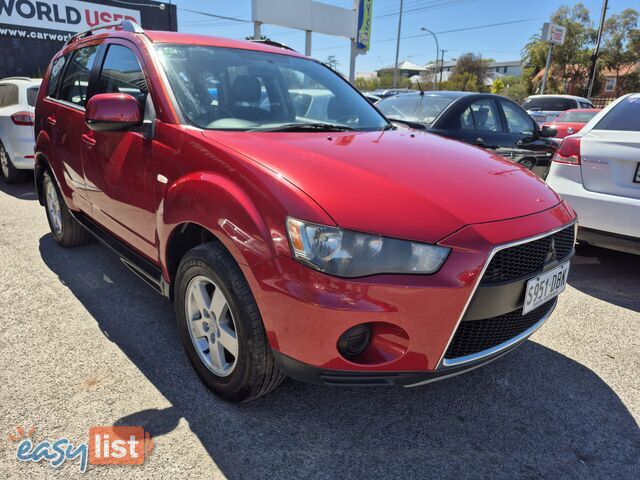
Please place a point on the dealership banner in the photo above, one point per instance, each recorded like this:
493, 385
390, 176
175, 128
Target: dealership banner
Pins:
363, 39
61, 15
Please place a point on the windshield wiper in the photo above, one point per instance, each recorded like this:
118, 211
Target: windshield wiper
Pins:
316, 126
416, 125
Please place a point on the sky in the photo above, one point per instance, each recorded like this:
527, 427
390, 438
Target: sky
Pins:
500, 42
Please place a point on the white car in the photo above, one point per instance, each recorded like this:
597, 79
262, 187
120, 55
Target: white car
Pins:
598, 172
545, 108
17, 104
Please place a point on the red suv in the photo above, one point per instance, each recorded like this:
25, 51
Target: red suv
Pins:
295, 229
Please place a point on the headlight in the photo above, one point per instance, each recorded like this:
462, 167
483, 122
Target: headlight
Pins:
352, 254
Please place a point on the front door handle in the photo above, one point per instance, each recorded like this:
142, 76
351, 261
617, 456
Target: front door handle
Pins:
89, 141
51, 120
479, 141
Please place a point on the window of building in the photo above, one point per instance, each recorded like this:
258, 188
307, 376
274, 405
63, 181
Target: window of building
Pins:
610, 85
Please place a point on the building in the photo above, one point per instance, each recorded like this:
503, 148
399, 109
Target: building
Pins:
495, 70
32, 31
406, 69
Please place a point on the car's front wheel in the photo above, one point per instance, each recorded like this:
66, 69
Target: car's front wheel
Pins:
65, 229
221, 327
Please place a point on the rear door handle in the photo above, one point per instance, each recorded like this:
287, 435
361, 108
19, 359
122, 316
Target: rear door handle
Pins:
51, 121
89, 141
479, 141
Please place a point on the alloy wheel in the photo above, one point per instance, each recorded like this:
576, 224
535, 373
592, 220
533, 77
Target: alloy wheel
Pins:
211, 325
4, 162
53, 207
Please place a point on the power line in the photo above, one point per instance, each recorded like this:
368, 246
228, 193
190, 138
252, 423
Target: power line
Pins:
477, 27
221, 17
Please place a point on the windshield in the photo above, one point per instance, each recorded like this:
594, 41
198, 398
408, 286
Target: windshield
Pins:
231, 89
575, 117
416, 108
554, 104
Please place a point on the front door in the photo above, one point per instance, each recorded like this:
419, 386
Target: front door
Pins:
118, 166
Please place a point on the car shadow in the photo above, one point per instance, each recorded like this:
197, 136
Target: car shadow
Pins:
23, 191
618, 275
534, 413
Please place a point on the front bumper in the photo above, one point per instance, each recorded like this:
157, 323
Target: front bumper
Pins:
305, 311
310, 374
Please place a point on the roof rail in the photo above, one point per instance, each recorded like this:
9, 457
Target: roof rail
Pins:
126, 25
273, 43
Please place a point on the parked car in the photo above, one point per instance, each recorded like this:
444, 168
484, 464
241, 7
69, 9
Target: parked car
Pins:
17, 100
598, 172
488, 121
545, 108
571, 121
339, 250
371, 97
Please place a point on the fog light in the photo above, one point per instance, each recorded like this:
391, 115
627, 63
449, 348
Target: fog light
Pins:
354, 341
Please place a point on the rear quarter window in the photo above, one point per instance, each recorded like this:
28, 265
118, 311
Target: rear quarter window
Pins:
32, 95
9, 95
56, 71
625, 116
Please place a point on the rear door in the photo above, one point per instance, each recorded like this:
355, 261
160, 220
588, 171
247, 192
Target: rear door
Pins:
66, 121
610, 152
481, 125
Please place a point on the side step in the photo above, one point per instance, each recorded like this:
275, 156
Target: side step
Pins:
139, 265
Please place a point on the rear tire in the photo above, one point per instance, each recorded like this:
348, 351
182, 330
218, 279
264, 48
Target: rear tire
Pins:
217, 316
10, 173
65, 229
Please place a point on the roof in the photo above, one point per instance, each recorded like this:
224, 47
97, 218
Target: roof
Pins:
191, 39
30, 81
405, 65
572, 97
441, 93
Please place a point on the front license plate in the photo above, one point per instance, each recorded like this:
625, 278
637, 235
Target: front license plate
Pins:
637, 177
543, 288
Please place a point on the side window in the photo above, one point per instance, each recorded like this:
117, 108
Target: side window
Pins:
466, 120
56, 70
517, 119
8, 95
76, 78
485, 116
121, 73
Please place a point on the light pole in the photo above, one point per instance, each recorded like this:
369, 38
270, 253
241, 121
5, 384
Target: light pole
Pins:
442, 64
395, 70
437, 51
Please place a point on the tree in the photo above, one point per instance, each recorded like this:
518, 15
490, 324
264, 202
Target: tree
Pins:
332, 62
621, 49
570, 61
469, 74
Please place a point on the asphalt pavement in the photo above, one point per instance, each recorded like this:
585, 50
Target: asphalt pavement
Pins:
83, 342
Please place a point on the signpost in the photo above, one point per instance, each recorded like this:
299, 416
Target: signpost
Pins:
313, 16
554, 35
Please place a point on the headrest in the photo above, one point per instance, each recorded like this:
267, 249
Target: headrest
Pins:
246, 89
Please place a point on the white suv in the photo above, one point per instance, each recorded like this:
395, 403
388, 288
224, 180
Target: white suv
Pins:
17, 103
598, 172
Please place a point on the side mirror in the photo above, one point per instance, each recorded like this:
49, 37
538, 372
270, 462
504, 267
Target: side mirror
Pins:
548, 132
109, 112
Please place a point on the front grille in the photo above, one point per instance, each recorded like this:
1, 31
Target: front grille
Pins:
473, 336
528, 258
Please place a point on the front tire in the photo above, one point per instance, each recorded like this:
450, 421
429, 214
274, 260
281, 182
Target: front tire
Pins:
221, 328
10, 173
65, 229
